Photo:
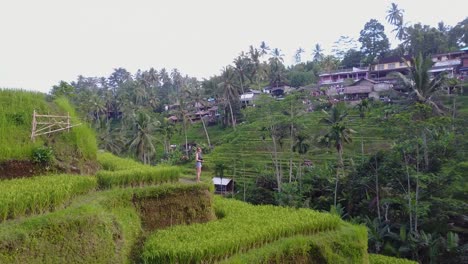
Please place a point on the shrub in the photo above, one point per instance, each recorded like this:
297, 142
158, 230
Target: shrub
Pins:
42, 155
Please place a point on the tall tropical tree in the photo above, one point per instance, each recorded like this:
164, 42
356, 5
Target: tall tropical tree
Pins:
317, 53
264, 48
241, 63
395, 18
230, 92
298, 55
374, 42
423, 88
142, 139
337, 135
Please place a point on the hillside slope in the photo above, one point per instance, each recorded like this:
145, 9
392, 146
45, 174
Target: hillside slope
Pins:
73, 151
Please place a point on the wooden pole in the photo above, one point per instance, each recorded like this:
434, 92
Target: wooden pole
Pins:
68, 122
33, 129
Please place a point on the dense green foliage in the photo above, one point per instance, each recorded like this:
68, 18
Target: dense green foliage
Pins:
20, 197
241, 227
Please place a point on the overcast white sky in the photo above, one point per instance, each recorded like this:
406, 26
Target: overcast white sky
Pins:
43, 42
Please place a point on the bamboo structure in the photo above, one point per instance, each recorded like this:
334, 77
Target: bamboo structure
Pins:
47, 124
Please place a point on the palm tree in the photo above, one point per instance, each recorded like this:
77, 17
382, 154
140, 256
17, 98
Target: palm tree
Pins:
142, 141
317, 53
276, 53
297, 55
395, 18
338, 134
229, 91
111, 140
394, 14
422, 87
241, 64
264, 48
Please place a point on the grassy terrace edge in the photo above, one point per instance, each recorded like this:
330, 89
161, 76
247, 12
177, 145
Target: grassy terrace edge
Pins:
347, 244
120, 172
240, 227
28, 196
101, 227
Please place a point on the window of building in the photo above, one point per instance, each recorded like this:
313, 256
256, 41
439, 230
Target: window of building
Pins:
380, 67
391, 65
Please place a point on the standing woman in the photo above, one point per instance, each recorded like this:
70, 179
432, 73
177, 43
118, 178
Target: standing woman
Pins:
198, 162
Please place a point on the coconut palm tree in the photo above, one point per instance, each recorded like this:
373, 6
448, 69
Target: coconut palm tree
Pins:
229, 91
241, 63
317, 53
142, 141
337, 135
395, 18
423, 88
298, 54
264, 48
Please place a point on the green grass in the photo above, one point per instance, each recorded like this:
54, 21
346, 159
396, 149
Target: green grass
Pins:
101, 227
348, 244
82, 137
126, 172
20, 197
241, 227
110, 162
16, 110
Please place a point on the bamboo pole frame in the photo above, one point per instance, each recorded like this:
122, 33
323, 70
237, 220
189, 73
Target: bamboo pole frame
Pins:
51, 123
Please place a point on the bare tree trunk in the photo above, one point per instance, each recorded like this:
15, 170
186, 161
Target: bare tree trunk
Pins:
275, 161
291, 155
425, 151
338, 170
206, 131
377, 191
408, 193
232, 116
417, 190
186, 140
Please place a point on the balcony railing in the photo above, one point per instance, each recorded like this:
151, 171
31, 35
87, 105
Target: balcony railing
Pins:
346, 70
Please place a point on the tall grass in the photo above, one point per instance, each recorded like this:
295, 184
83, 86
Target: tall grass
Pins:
243, 227
121, 172
39, 194
347, 244
111, 162
16, 109
82, 136
143, 175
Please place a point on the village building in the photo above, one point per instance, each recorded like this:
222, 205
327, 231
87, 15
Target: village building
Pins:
249, 97
223, 185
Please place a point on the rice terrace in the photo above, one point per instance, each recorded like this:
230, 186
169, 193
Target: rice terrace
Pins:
354, 152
